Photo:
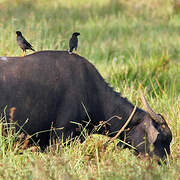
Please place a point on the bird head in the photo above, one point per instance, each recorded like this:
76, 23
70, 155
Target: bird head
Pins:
18, 33
75, 34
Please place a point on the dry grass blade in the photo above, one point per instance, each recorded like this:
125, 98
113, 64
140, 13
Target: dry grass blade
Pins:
11, 114
124, 126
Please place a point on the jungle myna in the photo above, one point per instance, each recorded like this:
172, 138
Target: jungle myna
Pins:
73, 42
23, 44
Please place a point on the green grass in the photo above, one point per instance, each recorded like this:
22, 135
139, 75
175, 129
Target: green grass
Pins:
129, 42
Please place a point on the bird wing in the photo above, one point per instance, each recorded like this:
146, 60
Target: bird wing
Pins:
71, 43
26, 43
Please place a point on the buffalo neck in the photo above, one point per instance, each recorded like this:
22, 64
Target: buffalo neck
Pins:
114, 105
104, 102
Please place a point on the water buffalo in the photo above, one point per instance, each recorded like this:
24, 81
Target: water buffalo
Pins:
53, 88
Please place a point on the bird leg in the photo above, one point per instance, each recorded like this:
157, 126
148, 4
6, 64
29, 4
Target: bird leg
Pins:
76, 52
24, 53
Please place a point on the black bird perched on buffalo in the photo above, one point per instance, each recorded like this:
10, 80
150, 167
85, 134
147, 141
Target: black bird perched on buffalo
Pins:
73, 42
23, 44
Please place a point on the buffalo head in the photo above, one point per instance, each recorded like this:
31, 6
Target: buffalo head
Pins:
152, 135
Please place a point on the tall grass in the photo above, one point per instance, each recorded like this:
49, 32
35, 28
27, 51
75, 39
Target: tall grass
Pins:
129, 42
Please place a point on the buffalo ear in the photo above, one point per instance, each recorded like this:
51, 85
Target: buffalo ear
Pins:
152, 132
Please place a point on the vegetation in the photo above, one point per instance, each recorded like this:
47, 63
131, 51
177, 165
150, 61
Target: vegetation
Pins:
129, 42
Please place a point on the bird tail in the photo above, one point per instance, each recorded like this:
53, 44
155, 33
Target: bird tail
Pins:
32, 49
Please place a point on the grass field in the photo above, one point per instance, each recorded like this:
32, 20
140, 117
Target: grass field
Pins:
129, 42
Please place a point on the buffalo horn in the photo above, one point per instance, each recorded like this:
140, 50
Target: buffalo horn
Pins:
153, 115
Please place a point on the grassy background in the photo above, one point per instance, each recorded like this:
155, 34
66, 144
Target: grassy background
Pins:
129, 42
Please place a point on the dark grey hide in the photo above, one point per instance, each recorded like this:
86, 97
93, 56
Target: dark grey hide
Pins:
53, 88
